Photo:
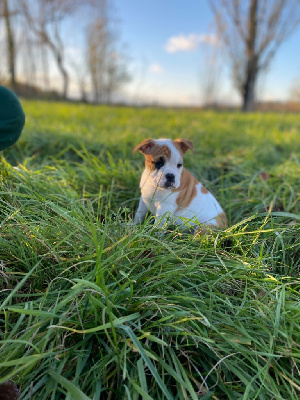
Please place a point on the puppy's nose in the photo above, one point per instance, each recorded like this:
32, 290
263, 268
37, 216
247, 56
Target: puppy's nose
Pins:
170, 177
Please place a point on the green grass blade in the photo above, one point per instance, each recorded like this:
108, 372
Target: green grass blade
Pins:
147, 361
75, 392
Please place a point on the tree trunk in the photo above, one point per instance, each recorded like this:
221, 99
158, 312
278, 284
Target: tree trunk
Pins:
60, 65
252, 59
65, 81
64, 73
10, 46
249, 86
248, 98
45, 66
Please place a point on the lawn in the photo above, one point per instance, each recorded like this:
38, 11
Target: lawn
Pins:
92, 307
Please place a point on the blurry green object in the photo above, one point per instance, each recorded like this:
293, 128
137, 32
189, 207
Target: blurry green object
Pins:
12, 118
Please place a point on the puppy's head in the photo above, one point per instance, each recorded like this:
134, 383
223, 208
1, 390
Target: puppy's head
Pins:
163, 159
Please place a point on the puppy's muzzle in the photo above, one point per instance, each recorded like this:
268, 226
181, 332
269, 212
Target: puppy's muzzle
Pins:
170, 180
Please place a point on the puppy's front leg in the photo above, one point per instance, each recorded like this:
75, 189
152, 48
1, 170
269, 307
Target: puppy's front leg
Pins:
140, 213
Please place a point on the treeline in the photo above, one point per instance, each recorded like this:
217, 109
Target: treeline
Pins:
35, 37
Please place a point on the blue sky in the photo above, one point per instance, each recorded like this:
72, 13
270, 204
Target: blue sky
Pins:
159, 75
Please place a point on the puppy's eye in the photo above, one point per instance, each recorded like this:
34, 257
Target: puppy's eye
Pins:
179, 165
159, 163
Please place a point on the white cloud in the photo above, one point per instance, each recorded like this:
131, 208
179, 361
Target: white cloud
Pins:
156, 69
189, 42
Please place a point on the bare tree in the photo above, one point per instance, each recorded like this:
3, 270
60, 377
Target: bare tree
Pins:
106, 63
7, 13
79, 69
29, 60
45, 18
41, 25
252, 31
43, 52
116, 74
210, 74
295, 91
97, 42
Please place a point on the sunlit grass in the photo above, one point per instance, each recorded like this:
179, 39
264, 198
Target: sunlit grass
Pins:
92, 307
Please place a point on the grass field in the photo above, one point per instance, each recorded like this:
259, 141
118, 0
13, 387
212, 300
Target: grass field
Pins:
93, 308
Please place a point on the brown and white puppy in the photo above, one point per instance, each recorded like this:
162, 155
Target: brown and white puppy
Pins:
168, 189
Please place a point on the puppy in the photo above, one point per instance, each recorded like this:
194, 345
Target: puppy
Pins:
169, 190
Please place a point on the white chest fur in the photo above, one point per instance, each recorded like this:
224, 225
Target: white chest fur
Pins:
157, 199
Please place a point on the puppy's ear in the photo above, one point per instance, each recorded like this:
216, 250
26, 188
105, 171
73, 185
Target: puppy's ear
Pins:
145, 147
185, 145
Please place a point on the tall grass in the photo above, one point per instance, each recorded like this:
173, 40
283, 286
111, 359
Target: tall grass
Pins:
94, 308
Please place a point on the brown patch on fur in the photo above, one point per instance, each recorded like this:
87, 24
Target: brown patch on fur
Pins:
222, 221
204, 190
187, 189
156, 152
145, 146
178, 147
152, 152
207, 229
183, 145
